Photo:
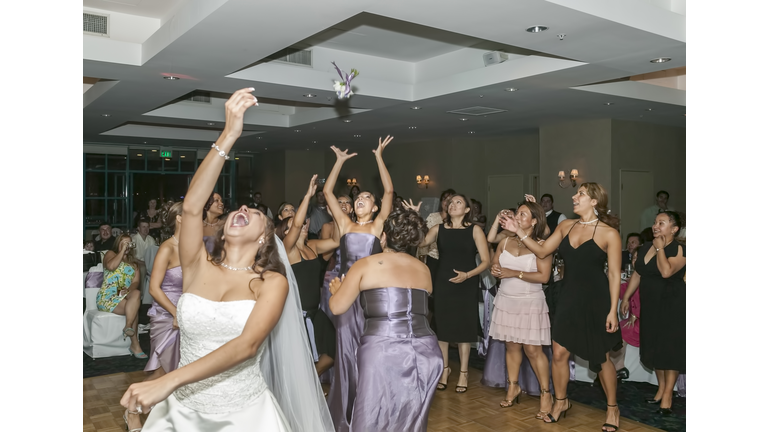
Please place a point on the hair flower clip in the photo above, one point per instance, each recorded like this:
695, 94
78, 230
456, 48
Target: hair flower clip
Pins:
343, 88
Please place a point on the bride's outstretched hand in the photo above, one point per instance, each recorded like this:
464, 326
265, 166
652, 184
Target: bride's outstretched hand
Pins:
235, 108
342, 155
146, 394
409, 205
382, 145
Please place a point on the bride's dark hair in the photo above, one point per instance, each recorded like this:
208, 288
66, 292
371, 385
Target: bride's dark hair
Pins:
267, 258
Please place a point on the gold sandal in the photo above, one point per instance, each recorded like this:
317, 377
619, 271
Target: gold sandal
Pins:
541, 414
506, 403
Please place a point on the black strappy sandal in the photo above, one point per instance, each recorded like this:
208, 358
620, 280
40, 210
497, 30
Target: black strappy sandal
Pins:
462, 389
541, 414
443, 386
506, 403
608, 425
562, 413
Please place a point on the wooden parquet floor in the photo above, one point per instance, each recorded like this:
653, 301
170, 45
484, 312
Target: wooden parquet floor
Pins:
477, 410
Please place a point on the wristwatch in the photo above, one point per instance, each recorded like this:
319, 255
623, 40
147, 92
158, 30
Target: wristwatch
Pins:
520, 275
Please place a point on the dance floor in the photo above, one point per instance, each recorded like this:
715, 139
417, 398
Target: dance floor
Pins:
477, 410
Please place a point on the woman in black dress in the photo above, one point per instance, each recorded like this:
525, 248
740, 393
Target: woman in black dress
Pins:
660, 271
586, 318
303, 256
457, 282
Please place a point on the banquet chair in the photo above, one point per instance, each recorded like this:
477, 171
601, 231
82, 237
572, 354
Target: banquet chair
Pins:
102, 331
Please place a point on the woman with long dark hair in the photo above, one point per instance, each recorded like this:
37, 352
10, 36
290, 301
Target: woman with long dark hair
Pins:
586, 321
457, 283
660, 273
244, 356
212, 222
358, 239
520, 315
399, 361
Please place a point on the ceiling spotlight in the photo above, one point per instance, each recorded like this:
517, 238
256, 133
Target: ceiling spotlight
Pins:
510, 89
661, 60
297, 130
357, 136
154, 151
649, 109
310, 95
463, 119
471, 132
182, 156
139, 154
171, 77
106, 115
608, 103
411, 127
211, 124
314, 142
259, 137
347, 121
415, 108
536, 29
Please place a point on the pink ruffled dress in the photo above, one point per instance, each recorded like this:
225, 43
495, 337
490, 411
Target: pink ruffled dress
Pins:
520, 312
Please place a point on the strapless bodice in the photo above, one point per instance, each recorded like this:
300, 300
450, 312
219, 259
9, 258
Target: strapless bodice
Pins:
395, 312
171, 286
354, 246
205, 326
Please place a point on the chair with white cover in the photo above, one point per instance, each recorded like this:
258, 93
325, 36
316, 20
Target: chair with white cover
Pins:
102, 331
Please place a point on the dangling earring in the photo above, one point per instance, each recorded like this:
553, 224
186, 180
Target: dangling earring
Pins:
595, 210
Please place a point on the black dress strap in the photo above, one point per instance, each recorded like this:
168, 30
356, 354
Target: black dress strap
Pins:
593, 232
569, 231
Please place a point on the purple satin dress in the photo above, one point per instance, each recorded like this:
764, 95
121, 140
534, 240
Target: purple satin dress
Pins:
349, 329
399, 362
209, 241
164, 339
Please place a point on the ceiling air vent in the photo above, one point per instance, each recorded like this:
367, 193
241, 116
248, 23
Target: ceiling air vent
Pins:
201, 98
477, 111
95, 24
293, 56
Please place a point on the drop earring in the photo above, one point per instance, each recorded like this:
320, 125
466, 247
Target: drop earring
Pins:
261, 240
594, 209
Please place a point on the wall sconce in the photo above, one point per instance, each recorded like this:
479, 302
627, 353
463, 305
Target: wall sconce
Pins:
561, 176
352, 182
424, 181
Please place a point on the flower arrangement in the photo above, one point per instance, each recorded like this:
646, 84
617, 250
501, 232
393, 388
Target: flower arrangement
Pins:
343, 88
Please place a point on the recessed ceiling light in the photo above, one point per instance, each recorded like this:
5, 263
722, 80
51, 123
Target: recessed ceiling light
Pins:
139, 154
171, 77
649, 109
182, 156
357, 136
106, 115
235, 158
310, 95
144, 142
167, 159
411, 127
259, 137
297, 130
314, 142
211, 124
347, 121
154, 151
536, 29
416, 108
463, 119
510, 89
609, 103
471, 132
661, 60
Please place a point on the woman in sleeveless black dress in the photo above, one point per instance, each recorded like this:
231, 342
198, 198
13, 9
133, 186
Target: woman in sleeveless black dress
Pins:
303, 255
586, 318
660, 271
457, 282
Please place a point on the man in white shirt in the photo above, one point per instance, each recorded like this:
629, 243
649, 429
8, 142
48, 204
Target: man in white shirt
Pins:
553, 218
648, 217
143, 241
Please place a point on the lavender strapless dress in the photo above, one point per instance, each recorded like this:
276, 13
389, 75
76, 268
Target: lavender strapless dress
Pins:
349, 329
399, 362
164, 339
209, 240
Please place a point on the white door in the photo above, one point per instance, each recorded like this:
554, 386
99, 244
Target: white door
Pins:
636, 196
504, 191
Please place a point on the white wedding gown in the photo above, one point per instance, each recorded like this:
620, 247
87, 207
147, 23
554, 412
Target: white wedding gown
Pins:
236, 400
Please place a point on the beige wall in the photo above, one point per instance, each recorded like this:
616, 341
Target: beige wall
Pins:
583, 145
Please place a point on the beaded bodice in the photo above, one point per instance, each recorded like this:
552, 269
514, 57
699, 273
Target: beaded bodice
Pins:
206, 325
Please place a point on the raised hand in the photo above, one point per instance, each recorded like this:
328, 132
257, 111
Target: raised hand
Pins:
409, 205
659, 242
342, 155
530, 198
382, 145
508, 223
234, 110
312, 186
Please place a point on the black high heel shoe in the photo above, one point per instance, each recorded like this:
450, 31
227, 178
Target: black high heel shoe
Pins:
562, 413
608, 425
622, 374
653, 401
443, 386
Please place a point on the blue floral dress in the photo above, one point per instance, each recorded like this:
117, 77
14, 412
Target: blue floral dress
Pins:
115, 287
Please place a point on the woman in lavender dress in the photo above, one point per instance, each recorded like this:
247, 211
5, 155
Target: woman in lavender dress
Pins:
399, 361
359, 239
212, 221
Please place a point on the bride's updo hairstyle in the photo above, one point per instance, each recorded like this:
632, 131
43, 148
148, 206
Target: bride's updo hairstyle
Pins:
404, 229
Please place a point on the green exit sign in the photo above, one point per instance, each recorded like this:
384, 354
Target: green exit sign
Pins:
165, 153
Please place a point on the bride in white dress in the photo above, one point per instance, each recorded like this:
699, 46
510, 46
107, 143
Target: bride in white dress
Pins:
245, 361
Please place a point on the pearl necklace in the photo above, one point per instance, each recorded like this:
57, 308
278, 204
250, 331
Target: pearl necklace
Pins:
210, 224
588, 223
364, 223
236, 268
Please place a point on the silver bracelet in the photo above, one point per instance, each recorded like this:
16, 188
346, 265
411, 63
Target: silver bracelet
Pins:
221, 152
523, 238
